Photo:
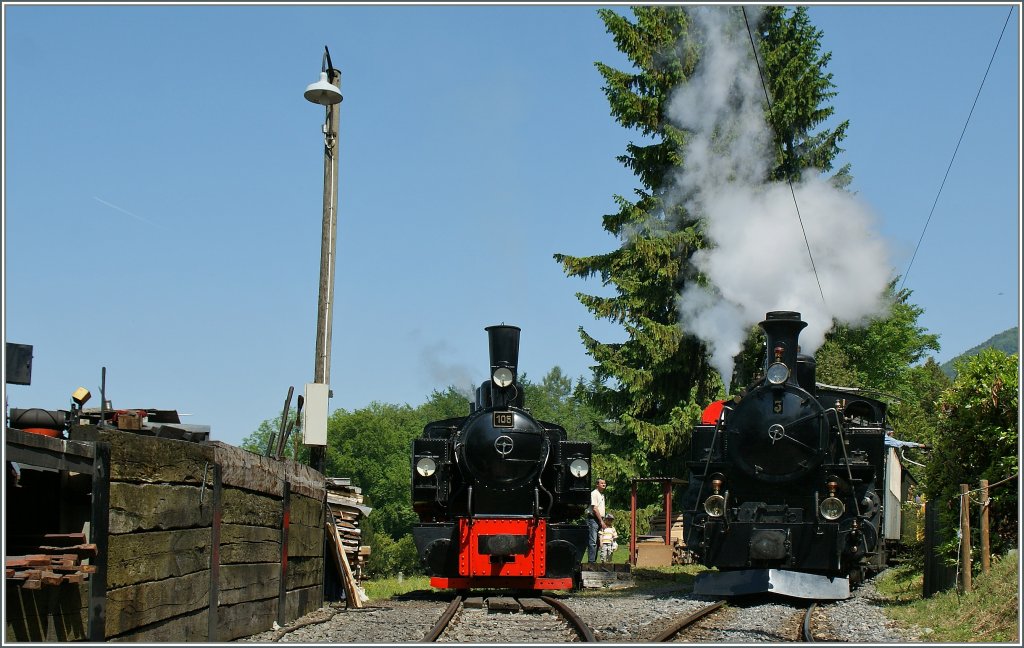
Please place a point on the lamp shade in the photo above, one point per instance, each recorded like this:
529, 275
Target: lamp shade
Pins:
323, 92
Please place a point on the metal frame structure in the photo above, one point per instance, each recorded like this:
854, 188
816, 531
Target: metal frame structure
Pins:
667, 484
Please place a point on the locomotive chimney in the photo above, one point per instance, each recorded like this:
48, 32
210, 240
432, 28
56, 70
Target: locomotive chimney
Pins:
782, 330
504, 344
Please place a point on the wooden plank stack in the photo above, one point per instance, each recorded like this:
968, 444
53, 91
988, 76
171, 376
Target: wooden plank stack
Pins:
345, 502
56, 559
680, 554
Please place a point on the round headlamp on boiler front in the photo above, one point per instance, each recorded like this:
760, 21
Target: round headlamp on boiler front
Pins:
715, 506
502, 377
579, 468
831, 508
426, 467
777, 373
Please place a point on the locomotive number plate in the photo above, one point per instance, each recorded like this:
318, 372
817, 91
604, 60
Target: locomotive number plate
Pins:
503, 419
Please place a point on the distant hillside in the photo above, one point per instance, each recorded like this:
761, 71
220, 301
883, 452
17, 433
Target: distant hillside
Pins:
1005, 341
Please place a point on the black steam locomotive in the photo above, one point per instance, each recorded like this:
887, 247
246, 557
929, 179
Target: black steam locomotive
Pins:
792, 488
498, 492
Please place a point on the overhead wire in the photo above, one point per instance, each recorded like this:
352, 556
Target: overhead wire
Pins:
792, 191
943, 184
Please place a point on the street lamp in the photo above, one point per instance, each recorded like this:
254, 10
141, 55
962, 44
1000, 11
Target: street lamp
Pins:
325, 92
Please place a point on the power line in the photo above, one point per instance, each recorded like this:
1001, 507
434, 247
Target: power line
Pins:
792, 191
929, 220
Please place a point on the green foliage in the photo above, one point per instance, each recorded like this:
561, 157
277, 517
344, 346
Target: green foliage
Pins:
389, 557
989, 613
440, 405
386, 587
977, 438
881, 353
800, 89
372, 446
258, 440
916, 416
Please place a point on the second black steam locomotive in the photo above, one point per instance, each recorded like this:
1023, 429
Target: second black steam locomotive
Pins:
792, 487
498, 492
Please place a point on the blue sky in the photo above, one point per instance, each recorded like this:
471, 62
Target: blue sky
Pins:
163, 178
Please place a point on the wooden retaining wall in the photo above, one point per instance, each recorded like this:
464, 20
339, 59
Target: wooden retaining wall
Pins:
207, 542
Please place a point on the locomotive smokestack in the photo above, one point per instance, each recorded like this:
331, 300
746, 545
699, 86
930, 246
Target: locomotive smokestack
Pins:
504, 342
782, 330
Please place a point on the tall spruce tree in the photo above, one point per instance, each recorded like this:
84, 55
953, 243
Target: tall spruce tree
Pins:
653, 385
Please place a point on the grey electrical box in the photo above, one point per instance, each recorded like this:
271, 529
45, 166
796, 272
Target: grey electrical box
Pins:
19, 364
314, 414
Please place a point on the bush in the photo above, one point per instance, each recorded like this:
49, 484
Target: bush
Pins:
976, 439
388, 557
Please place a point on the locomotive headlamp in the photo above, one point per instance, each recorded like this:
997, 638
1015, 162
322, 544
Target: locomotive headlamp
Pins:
579, 468
715, 506
426, 467
777, 373
831, 508
502, 377
716, 485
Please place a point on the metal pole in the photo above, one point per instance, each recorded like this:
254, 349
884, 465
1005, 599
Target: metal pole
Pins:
328, 237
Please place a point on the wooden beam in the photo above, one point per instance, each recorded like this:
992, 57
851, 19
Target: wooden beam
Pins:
341, 560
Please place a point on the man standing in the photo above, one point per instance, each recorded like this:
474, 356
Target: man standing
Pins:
595, 519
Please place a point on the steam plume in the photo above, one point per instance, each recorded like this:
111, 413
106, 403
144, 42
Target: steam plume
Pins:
757, 260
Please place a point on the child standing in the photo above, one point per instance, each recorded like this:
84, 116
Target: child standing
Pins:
608, 536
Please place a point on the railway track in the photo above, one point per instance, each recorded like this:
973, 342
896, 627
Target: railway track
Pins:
807, 632
676, 626
505, 615
795, 626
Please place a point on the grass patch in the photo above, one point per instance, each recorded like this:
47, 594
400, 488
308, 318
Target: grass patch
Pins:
989, 613
382, 589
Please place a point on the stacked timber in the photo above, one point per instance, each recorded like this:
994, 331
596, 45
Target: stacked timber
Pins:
680, 554
345, 502
57, 559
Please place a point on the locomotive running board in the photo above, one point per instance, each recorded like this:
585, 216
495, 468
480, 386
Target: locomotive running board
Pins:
774, 581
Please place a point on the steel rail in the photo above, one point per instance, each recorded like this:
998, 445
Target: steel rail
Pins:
582, 629
676, 626
442, 623
808, 634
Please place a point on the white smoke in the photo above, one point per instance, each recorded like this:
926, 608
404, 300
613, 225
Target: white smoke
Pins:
443, 374
758, 260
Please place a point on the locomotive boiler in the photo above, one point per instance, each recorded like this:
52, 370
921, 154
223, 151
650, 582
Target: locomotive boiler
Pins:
789, 482
500, 493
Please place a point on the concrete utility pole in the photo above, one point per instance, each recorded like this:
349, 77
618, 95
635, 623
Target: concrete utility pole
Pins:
328, 238
326, 92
